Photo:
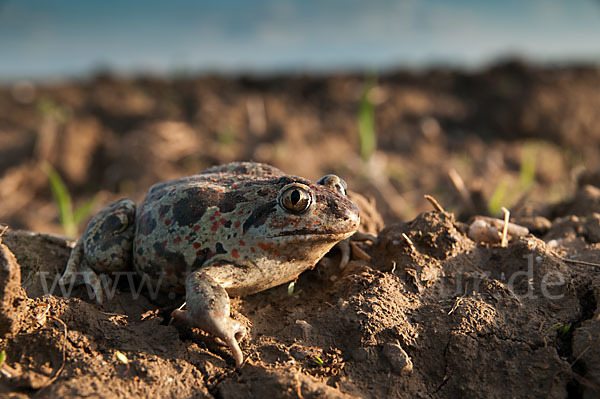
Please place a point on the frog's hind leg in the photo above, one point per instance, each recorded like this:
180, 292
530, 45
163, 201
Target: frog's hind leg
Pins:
208, 309
105, 246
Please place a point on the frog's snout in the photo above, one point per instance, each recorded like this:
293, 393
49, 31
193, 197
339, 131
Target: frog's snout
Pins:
351, 218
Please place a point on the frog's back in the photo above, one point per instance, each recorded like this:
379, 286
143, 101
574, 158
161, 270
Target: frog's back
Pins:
175, 217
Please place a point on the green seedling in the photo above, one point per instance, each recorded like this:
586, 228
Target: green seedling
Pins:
565, 330
561, 329
69, 218
2, 358
226, 136
291, 287
366, 122
318, 361
503, 194
498, 198
555, 327
49, 109
123, 359
528, 162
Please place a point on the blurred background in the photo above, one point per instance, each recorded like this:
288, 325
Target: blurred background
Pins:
482, 104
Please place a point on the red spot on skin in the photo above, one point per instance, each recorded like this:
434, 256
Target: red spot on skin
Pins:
187, 238
241, 212
265, 246
223, 221
269, 247
217, 213
242, 243
252, 249
235, 253
196, 227
167, 222
177, 240
197, 245
215, 226
237, 224
211, 218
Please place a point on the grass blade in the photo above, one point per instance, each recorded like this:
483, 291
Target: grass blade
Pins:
83, 211
62, 198
366, 123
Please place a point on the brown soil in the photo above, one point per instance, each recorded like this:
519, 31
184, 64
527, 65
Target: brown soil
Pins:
426, 312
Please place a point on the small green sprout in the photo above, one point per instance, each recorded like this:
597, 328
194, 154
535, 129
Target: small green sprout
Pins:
226, 136
498, 198
69, 218
2, 357
291, 287
528, 164
121, 357
505, 194
318, 361
555, 327
50, 109
565, 330
561, 328
366, 122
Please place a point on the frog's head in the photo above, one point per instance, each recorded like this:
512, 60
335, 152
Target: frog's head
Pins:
299, 221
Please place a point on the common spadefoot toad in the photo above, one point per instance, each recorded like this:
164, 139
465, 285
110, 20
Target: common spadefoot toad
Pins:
234, 229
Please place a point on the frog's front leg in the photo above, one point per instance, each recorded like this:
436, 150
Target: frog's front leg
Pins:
104, 247
208, 308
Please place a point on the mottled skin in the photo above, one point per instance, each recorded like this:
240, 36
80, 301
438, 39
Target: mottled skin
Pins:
234, 229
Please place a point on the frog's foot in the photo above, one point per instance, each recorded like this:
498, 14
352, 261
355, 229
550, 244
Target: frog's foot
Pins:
78, 272
208, 309
345, 246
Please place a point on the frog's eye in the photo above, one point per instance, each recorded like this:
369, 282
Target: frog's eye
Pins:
295, 199
335, 183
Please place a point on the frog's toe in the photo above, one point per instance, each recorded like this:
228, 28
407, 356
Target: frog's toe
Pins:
78, 272
344, 247
208, 309
83, 276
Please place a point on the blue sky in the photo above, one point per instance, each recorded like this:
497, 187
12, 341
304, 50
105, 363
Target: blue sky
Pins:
61, 38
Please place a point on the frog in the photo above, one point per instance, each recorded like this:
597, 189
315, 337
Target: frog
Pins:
231, 230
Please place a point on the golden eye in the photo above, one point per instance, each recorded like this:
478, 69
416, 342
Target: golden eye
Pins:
295, 199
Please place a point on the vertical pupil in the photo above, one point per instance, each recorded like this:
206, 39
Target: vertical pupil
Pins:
295, 197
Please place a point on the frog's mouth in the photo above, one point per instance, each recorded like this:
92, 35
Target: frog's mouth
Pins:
310, 233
